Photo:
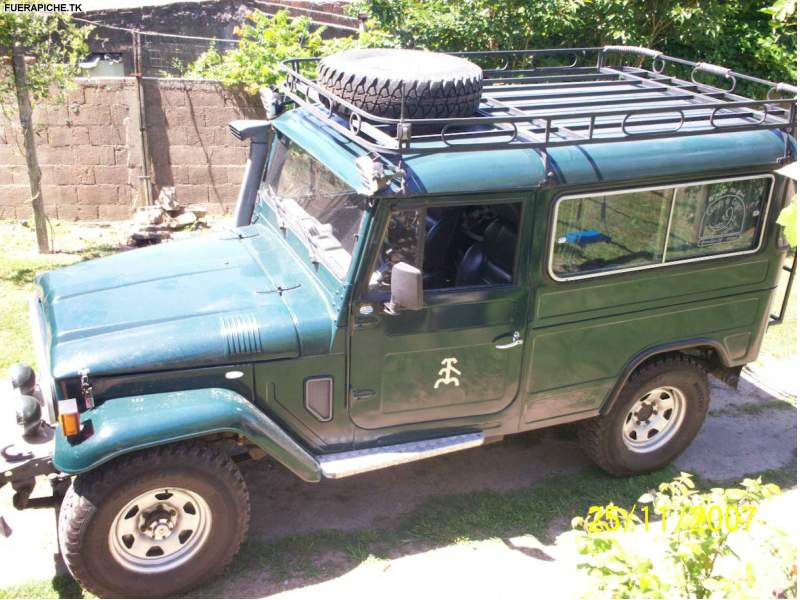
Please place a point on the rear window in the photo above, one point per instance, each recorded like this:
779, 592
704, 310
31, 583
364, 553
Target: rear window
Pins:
599, 234
717, 218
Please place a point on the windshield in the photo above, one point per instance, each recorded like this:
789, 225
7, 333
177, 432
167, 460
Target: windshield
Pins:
315, 204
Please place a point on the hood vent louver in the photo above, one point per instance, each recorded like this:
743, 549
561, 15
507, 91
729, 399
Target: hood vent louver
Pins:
241, 333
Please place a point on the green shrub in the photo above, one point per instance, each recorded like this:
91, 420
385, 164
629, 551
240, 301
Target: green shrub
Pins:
687, 536
265, 41
788, 219
753, 36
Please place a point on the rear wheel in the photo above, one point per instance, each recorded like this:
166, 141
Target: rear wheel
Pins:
656, 416
154, 523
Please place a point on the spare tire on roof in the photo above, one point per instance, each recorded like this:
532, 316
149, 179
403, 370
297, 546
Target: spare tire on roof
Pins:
436, 85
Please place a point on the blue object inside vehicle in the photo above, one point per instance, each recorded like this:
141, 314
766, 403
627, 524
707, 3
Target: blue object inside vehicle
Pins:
587, 236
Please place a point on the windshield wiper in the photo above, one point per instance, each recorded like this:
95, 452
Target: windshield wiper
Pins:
317, 236
280, 209
306, 225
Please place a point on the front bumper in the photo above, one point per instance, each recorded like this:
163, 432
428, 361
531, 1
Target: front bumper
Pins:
22, 458
25, 457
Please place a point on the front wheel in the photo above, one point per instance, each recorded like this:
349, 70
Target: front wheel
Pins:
656, 416
154, 523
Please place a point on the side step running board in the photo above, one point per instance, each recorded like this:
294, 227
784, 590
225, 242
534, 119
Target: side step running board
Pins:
344, 464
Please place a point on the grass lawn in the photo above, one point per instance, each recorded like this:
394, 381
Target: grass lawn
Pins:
19, 263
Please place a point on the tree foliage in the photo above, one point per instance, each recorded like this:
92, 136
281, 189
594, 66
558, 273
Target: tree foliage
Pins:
265, 41
39, 56
788, 220
752, 36
54, 43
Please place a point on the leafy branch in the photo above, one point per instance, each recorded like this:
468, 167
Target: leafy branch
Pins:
266, 40
694, 546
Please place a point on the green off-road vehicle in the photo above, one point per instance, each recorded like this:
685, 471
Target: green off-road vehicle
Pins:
428, 255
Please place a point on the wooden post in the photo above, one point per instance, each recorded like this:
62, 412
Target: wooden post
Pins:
34, 172
146, 180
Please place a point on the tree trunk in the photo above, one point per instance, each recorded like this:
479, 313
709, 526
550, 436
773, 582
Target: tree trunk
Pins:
34, 172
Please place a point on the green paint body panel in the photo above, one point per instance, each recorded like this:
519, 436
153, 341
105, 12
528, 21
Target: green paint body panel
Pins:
513, 170
277, 393
159, 329
401, 358
137, 422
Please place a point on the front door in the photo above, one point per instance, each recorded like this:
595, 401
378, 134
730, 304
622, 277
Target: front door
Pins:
461, 354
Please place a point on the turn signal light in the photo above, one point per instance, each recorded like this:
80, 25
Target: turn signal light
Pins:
68, 417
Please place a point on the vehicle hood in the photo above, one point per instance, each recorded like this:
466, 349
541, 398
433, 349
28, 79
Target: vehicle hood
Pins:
213, 299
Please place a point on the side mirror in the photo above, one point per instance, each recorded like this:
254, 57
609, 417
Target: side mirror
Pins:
406, 285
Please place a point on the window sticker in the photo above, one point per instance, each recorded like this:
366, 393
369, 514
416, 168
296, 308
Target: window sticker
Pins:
723, 219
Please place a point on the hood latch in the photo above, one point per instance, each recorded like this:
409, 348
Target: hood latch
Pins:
86, 389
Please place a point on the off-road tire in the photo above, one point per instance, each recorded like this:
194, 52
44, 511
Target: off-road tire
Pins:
94, 499
601, 437
436, 85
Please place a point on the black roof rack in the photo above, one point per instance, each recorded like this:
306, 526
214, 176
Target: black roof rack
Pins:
591, 98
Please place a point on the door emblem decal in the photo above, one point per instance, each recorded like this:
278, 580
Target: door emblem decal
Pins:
447, 373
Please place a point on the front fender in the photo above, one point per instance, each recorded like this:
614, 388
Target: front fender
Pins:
123, 425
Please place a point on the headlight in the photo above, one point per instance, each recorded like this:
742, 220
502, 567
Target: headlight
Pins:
22, 378
29, 414
27, 407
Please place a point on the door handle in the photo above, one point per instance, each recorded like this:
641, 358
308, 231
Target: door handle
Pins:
516, 340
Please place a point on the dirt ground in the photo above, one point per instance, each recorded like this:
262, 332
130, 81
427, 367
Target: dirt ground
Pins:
735, 440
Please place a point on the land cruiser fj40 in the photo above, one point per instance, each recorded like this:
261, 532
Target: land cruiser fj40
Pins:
427, 255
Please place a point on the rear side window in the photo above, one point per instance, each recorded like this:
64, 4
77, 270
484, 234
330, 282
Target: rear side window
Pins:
717, 218
601, 234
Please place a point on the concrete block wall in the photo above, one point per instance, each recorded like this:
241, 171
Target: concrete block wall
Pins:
191, 146
89, 148
84, 150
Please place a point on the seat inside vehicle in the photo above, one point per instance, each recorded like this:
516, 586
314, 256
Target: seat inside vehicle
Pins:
440, 229
471, 245
464, 245
490, 262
